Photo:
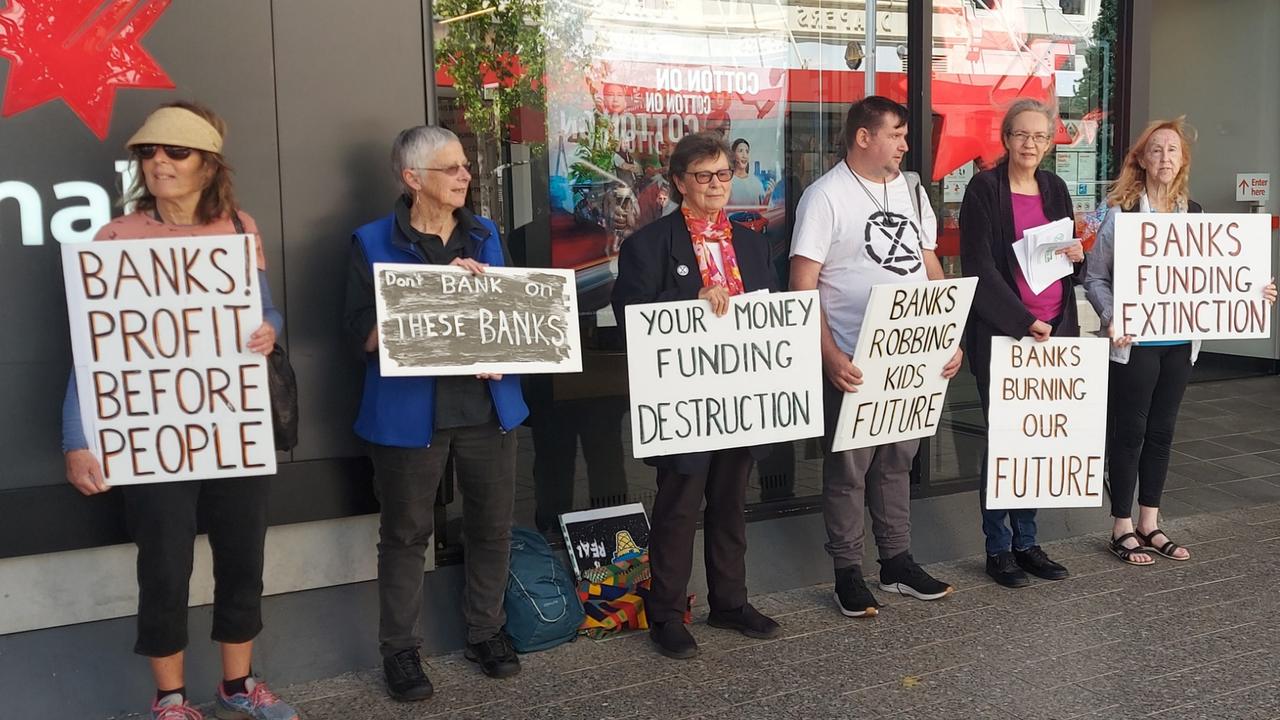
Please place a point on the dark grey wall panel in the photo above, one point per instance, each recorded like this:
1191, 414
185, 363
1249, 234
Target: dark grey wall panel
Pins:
349, 76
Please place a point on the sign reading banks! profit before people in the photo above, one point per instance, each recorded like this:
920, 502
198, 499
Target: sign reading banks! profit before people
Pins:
168, 389
1192, 276
442, 320
701, 382
909, 333
1047, 426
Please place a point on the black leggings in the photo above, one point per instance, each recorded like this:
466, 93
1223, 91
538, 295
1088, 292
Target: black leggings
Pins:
1145, 395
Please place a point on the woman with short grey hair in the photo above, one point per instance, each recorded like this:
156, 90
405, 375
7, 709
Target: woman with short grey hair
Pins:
413, 424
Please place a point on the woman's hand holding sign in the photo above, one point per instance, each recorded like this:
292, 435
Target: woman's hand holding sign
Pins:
84, 472
953, 365
718, 297
841, 371
471, 266
1269, 292
263, 340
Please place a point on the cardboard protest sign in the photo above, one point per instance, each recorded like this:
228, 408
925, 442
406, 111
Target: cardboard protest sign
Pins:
605, 535
168, 390
1192, 276
442, 320
701, 382
909, 333
1047, 425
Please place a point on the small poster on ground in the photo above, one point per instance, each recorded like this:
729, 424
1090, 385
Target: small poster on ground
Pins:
603, 536
168, 389
1047, 427
442, 320
909, 333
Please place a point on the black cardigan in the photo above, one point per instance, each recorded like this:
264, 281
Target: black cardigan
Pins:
986, 252
648, 272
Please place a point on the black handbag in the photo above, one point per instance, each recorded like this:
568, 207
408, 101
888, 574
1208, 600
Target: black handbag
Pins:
282, 386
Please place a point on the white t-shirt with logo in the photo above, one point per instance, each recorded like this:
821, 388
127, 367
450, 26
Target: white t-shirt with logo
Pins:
859, 245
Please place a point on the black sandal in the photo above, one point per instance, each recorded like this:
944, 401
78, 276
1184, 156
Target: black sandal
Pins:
1166, 550
1126, 554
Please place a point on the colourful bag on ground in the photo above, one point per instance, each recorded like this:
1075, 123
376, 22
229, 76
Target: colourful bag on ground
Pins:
613, 597
542, 608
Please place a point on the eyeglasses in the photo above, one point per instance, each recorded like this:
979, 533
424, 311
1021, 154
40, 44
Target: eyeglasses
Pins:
175, 152
704, 177
1020, 137
450, 170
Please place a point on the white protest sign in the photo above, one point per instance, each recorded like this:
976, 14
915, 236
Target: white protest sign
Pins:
1047, 425
909, 332
701, 382
1253, 187
168, 390
442, 320
1192, 276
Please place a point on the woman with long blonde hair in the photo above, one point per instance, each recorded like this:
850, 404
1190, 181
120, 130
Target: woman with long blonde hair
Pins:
1147, 378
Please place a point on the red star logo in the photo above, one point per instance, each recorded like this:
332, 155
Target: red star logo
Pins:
80, 51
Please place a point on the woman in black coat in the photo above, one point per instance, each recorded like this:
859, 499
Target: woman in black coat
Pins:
696, 253
999, 205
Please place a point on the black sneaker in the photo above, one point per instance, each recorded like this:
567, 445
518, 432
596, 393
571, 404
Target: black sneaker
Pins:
1003, 568
673, 640
746, 620
852, 596
496, 657
405, 679
900, 574
1035, 561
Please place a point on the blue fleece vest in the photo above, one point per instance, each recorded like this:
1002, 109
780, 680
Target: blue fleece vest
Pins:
401, 411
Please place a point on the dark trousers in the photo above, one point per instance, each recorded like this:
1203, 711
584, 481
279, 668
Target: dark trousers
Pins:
555, 444
1004, 529
162, 519
1145, 395
405, 481
675, 519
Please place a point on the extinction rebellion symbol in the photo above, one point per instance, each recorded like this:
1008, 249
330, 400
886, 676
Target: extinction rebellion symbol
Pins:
887, 246
81, 51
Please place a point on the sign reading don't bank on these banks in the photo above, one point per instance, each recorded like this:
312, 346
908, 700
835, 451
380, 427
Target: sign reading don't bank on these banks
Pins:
168, 389
701, 382
909, 333
1047, 425
1192, 276
442, 320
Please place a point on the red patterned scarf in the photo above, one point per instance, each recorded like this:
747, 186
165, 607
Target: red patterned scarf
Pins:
721, 231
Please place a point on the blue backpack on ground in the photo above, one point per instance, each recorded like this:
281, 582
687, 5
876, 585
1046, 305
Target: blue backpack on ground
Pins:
542, 604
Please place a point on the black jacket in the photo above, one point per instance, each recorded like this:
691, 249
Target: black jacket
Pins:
649, 271
986, 252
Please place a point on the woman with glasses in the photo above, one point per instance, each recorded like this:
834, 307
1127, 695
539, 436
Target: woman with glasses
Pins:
414, 424
697, 253
999, 205
184, 190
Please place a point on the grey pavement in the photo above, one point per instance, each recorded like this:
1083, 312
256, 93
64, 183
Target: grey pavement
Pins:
1177, 640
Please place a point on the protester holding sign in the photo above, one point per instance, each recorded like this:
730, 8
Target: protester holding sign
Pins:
414, 423
865, 223
1147, 378
698, 254
1000, 204
184, 190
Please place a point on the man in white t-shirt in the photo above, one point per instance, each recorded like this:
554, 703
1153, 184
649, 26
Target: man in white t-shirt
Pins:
858, 226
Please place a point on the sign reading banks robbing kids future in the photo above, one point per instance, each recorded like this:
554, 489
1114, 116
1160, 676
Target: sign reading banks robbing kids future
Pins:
442, 320
1192, 276
701, 382
1047, 426
909, 333
168, 389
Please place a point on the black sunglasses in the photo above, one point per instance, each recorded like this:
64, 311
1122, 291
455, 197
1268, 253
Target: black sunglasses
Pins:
175, 152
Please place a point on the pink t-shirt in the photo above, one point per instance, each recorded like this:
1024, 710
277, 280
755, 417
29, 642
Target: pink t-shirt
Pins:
1028, 213
141, 226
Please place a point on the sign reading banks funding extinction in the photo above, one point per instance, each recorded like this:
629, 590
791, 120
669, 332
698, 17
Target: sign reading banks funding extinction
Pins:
168, 389
701, 382
442, 320
909, 333
1192, 276
1047, 426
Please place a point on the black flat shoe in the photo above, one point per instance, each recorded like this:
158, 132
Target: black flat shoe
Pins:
1003, 568
673, 640
406, 681
495, 656
1035, 561
746, 620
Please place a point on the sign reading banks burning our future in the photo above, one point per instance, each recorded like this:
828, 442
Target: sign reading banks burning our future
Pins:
909, 333
168, 389
1192, 276
1047, 427
701, 382
442, 320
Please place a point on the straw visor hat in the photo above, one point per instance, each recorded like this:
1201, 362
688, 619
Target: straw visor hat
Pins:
177, 126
